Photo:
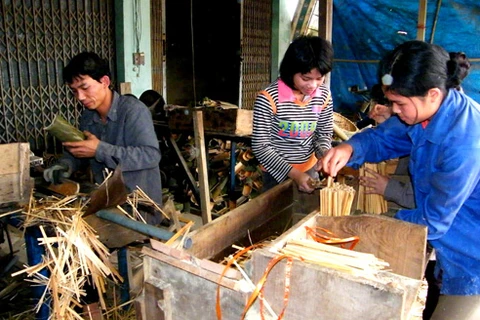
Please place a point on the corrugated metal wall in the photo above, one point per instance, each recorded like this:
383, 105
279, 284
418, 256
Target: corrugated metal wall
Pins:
256, 49
158, 43
37, 38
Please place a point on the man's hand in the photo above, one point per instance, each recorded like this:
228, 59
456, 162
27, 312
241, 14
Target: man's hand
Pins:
56, 173
376, 183
83, 149
301, 179
336, 158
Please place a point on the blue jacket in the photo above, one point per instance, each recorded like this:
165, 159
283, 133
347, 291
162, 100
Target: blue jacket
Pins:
128, 138
445, 169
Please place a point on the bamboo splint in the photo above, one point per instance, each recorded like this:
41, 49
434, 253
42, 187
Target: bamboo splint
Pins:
371, 203
334, 257
73, 255
336, 199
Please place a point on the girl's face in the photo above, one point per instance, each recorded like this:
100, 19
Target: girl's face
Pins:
413, 110
309, 82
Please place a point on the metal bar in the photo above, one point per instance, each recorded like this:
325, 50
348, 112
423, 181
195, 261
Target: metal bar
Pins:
140, 227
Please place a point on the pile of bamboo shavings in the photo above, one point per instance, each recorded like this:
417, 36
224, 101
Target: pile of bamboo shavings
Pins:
73, 255
138, 196
336, 199
371, 203
337, 258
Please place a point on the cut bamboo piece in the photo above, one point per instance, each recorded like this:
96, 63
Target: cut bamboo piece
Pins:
336, 199
334, 257
371, 203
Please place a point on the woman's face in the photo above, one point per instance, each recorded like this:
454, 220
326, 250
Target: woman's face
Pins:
413, 110
307, 83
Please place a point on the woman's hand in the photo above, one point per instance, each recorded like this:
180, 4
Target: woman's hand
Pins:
301, 179
336, 158
380, 113
375, 182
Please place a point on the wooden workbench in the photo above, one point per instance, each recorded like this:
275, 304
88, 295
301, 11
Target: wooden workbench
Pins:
183, 284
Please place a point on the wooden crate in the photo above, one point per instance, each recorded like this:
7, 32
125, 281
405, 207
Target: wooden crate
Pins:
15, 182
318, 292
183, 284
231, 121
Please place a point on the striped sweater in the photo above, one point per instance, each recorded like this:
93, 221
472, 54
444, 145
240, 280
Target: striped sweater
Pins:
288, 133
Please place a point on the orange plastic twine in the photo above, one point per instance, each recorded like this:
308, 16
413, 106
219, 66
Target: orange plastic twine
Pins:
229, 263
258, 292
323, 235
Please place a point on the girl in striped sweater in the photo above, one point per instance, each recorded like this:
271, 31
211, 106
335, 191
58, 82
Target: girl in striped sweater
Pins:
293, 116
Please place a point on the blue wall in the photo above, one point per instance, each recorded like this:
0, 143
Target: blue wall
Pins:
363, 31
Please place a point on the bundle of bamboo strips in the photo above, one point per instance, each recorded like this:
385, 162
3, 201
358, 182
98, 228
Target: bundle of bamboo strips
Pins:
349, 261
336, 199
371, 203
73, 255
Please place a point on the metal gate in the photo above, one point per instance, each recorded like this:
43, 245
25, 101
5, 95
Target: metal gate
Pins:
37, 38
256, 49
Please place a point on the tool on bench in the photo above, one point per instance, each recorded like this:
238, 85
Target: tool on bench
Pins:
112, 192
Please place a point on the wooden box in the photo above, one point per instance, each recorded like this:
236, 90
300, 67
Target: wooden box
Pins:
183, 285
15, 182
188, 284
318, 292
231, 121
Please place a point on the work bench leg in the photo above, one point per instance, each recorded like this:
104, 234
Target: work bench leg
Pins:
122, 255
34, 257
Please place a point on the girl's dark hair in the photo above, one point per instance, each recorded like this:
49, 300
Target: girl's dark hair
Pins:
458, 67
416, 67
86, 64
304, 54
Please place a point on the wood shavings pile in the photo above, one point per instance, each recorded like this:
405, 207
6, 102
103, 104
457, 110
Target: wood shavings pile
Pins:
73, 255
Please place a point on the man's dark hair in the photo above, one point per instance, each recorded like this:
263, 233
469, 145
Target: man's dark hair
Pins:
86, 64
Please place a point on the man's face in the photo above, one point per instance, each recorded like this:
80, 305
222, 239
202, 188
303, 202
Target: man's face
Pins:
90, 92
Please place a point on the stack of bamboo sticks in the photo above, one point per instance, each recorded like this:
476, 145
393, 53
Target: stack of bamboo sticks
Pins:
340, 259
336, 199
73, 255
371, 203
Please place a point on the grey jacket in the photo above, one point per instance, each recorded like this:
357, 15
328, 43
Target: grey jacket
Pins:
127, 138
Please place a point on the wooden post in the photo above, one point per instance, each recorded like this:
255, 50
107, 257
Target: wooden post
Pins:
325, 25
125, 87
422, 19
202, 166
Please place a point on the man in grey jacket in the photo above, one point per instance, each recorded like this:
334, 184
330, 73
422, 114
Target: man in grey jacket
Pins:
118, 129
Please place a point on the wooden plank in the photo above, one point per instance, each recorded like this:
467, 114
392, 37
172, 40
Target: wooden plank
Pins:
401, 244
205, 264
234, 121
322, 293
191, 268
157, 300
202, 166
212, 238
15, 182
10, 158
193, 296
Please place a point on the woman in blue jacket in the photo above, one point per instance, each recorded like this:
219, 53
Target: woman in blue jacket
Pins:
439, 127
